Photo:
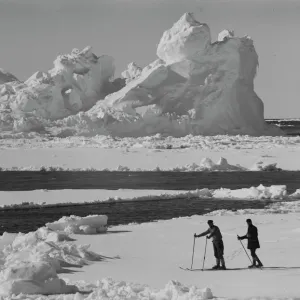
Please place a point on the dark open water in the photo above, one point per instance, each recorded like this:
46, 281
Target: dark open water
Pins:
124, 212
290, 126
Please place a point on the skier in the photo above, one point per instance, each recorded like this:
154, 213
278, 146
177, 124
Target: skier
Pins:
253, 243
214, 232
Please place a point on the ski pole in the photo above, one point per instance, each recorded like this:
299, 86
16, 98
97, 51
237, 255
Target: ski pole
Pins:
193, 253
246, 251
204, 254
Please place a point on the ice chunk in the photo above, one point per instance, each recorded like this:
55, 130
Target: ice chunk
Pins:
74, 224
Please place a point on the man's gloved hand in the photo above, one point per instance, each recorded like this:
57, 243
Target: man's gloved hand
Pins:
239, 238
195, 235
208, 237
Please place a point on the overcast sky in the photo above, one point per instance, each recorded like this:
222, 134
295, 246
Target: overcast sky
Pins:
34, 32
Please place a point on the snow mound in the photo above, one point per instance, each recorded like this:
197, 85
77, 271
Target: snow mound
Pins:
30, 262
196, 87
205, 165
274, 208
33, 278
274, 192
80, 225
261, 166
174, 290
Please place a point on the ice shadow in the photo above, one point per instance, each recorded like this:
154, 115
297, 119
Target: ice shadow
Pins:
281, 268
116, 231
67, 271
105, 232
108, 257
65, 267
65, 264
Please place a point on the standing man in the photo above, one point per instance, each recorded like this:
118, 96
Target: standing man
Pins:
253, 243
214, 232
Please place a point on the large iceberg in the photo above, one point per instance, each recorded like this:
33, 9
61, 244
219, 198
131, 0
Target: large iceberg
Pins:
195, 86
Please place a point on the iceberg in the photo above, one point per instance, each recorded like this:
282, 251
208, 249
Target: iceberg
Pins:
195, 86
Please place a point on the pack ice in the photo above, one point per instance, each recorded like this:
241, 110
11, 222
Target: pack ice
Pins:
195, 86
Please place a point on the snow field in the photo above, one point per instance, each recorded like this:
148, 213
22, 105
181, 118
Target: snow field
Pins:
150, 153
154, 252
30, 263
206, 165
52, 197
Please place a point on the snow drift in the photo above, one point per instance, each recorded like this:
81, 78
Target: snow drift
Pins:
173, 290
30, 262
196, 86
261, 192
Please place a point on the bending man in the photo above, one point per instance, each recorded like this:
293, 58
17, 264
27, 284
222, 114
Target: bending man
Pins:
214, 232
253, 243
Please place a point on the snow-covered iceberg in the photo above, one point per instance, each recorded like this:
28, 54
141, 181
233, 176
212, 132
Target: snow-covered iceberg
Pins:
195, 86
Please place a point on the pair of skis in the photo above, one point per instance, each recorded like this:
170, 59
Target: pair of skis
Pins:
191, 268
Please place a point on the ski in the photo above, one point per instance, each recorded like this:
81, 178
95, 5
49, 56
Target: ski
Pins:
186, 269
228, 269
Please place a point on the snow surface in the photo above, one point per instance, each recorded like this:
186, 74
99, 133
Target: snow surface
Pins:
146, 153
52, 197
126, 262
206, 165
196, 86
30, 264
43, 197
154, 252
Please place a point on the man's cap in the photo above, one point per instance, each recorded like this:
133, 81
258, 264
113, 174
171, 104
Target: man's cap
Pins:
249, 221
210, 222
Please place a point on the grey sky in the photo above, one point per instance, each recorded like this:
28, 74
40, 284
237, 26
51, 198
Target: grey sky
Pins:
34, 32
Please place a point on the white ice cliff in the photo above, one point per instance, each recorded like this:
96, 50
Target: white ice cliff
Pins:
194, 87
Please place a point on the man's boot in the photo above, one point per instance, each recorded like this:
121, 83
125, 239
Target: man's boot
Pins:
223, 267
259, 264
217, 266
253, 264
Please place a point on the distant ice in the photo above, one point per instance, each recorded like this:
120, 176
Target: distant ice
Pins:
78, 225
206, 165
